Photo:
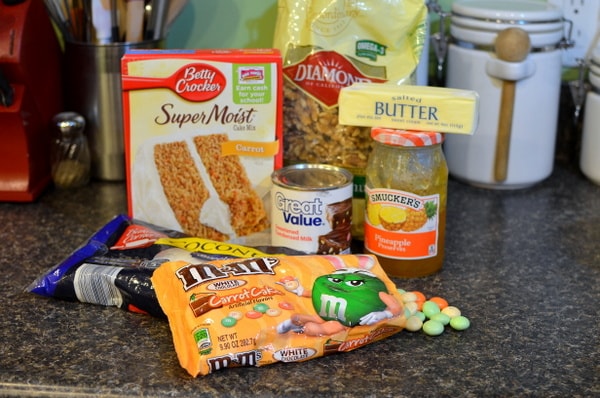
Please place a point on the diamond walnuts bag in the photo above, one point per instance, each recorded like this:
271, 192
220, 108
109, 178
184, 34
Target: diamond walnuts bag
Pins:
330, 44
327, 45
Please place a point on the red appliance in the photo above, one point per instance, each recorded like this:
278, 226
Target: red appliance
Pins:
30, 58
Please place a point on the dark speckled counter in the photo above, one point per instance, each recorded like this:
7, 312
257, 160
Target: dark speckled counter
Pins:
523, 265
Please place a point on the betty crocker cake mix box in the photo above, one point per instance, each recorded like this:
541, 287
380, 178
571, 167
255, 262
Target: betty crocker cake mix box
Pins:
202, 137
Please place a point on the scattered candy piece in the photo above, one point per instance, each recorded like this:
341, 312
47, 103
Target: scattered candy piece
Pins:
460, 322
407, 297
451, 311
420, 298
433, 328
411, 307
441, 302
430, 308
413, 323
420, 295
430, 315
421, 316
441, 318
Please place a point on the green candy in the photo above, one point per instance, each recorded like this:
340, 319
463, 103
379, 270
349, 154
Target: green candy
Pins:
347, 295
441, 318
460, 322
433, 328
430, 308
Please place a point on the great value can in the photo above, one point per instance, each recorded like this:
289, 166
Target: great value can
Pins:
312, 208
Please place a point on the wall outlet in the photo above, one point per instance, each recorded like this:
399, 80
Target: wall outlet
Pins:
585, 16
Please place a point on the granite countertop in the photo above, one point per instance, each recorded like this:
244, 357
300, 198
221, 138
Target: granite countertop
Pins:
523, 265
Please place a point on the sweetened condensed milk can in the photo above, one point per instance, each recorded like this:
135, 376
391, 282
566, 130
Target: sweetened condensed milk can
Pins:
406, 190
312, 208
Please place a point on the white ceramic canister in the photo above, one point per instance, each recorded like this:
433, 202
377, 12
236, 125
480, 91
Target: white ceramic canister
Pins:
472, 64
590, 140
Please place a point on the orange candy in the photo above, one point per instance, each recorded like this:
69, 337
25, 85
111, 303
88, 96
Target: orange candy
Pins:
441, 302
420, 295
420, 299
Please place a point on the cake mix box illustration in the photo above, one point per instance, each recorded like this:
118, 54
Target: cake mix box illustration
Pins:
275, 309
202, 137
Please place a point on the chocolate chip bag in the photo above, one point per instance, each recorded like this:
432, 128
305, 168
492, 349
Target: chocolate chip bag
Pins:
265, 310
113, 267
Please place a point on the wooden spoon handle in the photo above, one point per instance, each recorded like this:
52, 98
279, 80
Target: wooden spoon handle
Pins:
507, 102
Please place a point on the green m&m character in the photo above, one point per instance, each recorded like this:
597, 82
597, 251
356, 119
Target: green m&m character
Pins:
347, 295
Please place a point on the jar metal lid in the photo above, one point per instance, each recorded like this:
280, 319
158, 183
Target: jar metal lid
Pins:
479, 21
312, 177
514, 12
406, 138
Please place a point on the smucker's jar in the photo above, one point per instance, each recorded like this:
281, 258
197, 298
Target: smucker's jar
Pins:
406, 189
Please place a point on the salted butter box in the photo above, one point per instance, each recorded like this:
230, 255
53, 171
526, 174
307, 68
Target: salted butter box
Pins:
202, 137
408, 107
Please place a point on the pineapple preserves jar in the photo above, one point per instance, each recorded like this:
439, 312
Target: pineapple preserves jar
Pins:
406, 189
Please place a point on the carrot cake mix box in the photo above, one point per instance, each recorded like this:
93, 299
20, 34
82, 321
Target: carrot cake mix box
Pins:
202, 137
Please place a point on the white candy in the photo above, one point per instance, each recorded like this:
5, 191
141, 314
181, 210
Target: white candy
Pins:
413, 323
409, 297
451, 311
412, 307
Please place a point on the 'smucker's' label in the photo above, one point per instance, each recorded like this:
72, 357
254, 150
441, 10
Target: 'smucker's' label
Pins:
400, 224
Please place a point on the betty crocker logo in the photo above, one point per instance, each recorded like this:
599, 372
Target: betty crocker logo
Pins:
324, 73
194, 82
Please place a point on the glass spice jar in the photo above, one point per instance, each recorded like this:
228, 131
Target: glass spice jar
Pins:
70, 155
406, 190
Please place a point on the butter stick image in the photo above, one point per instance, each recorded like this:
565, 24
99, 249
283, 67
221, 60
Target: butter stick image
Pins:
406, 107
